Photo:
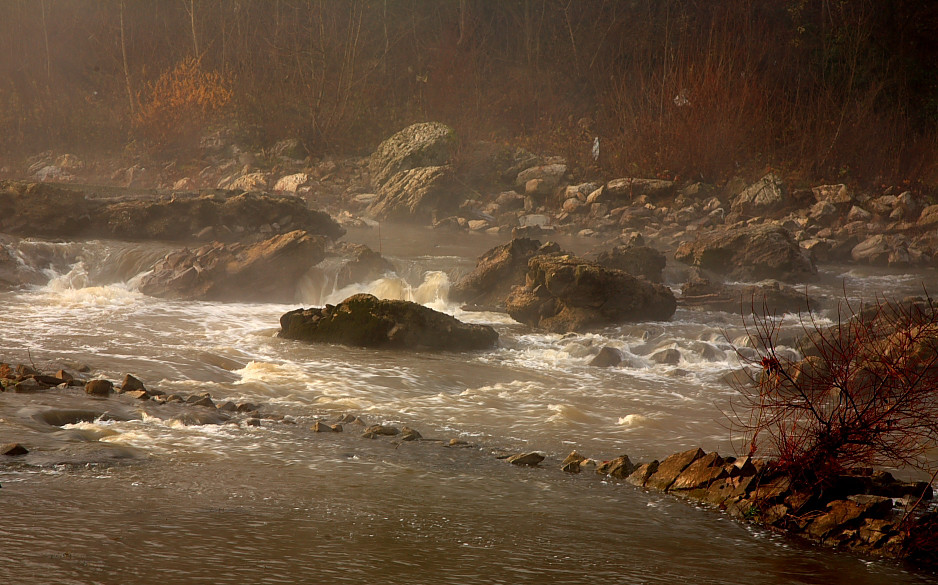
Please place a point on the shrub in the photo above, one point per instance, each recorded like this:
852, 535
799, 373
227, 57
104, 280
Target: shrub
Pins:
176, 108
864, 391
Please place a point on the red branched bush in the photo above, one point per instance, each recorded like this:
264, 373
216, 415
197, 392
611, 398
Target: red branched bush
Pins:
863, 392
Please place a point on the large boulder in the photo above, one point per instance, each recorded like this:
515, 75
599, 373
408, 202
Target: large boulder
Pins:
619, 191
564, 293
763, 196
363, 320
763, 298
642, 261
753, 253
416, 195
497, 271
362, 265
264, 272
429, 144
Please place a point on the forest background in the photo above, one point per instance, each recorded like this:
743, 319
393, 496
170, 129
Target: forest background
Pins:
820, 91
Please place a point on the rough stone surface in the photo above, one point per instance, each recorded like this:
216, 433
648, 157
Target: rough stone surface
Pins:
364, 320
755, 252
642, 261
497, 271
763, 196
672, 467
607, 357
363, 265
526, 459
563, 293
429, 144
701, 293
415, 195
267, 271
99, 387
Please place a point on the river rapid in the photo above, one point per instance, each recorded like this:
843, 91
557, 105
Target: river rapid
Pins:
278, 503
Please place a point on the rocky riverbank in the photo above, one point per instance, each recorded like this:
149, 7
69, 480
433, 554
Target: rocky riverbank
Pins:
867, 513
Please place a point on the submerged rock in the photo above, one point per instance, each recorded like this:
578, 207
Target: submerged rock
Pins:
364, 320
266, 271
564, 293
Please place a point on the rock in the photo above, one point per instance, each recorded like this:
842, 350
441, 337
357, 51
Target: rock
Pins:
131, 384
669, 356
429, 144
642, 261
643, 472
572, 463
256, 181
291, 183
137, 394
549, 177
409, 434
749, 253
267, 271
859, 214
13, 450
99, 387
700, 293
836, 195
702, 473
375, 431
415, 195
672, 467
762, 197
363, 265
882, 250
364, 320
620, 467
631, 189
563, 293
526, 459
843, 514
497, 271
201, 400
607, 357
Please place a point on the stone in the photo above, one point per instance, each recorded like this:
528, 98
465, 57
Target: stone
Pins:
549, 176
497, 271
702, 473
375, 431
672, 467
572, 462
409, 434
363, 265
99, 387
620, 467
267, 271
321, 427
13, 450
563, 293
201, 400
857, 213
256, 181
642, 261
415, 195
631, 189
762, 197
365, 321
836, 195
291, 183
429, 144
669, 356
137, 394
131, 384
643, 472
774, 297
531, 459
607, 357
751, 253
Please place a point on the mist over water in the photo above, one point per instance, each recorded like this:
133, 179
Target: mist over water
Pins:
279, 503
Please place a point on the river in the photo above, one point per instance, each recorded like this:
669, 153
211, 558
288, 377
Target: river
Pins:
162, 502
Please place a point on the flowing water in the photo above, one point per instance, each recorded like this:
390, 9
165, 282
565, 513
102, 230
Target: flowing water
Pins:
147, 499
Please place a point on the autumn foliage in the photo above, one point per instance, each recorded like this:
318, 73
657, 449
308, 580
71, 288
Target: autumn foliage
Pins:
863, 392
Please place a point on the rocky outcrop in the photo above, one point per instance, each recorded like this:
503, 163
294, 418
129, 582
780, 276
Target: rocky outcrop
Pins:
637, 260
36, 209
763, 298
755, 252
762, 197
563, 293
416, 195
265, 272
497, 271
363, 320
363, 265
429, 144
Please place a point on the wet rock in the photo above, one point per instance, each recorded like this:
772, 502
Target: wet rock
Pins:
13, 450
266, 271
204, 399
669, 356
199, 417
532, 459
253, 422
620, 467
563, 293
321, 427
291, 183
363, 265
843, 514
429, 144
27, 386
643, 472
672, 467
99, 387
771, 296
409, 434
607, 357
137, 394
131, 384
228, 406
497, 271
375, 431
642, 261
572, 462
751, 253
702, 473
365, 321
619, 191
247, 407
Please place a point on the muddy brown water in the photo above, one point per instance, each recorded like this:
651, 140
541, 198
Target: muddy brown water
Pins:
137, 496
